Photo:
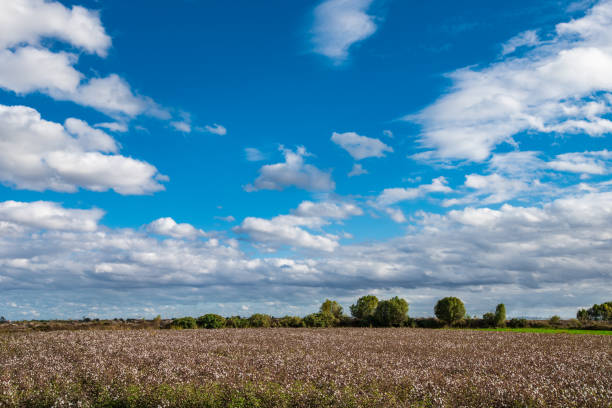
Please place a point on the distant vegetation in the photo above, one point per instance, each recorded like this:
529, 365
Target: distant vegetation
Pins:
368, 311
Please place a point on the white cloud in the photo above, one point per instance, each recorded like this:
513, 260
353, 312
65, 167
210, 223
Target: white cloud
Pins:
531, 258
90, 138
327, 209
527, 38
285, 230
49, 215
30, 69
339, 24
32, 20
360, 147
388, 133
216, 129
497, 188
537, 92
390, 196
229, 218
587, 163
181, 126
113, 126
167, 226
253, 154
357, 170
27, 66
396, 214
290, 230
292, 172
39, 155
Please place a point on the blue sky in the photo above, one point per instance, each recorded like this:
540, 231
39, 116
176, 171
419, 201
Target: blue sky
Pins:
261, 157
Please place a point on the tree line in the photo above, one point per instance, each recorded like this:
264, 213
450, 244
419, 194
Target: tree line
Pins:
369, 311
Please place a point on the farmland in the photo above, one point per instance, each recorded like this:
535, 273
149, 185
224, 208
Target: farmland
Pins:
304, 367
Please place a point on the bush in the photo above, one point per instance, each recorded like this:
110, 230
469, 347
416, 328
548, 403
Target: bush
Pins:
364, 309
449, 310
489, 319
516, 323
332, 307
211, 321
260, 320
290, 321
554, 321
237, 322
184, 323
320, 319
392, 312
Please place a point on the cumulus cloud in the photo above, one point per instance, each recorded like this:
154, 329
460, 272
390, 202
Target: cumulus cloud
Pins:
291, 230
360, 147
339, 24
37, 154
528, 257
167, 226
539, 91
596, 163
113, 126
390, 196
27, 66
216, 129
357, 170
181, 126
285, 230
50, 216
32, 20
292, 172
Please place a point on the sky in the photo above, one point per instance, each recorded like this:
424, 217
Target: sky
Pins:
260, 157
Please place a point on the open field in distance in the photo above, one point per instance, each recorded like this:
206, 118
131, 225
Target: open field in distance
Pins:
304, 367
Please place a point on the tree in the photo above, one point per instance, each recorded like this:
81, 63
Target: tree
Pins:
582, 315
555, 320
500, 315
184, 323
333, 307
260, 320
364, 308
211, 321
321, 319
601, 312
392, 312
449, 310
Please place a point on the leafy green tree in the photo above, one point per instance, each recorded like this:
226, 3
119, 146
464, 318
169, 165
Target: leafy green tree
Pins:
489, 319
582, 315
450, 310
500, 315
237, 322
260, 320
392, 312
333, 307
600, 312
211, 321
184, 323
555, 320
364, 308
291, 321
321, 319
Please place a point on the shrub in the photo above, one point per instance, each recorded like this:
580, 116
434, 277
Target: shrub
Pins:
260, 320
555, 320
364, 309
237, 322
211, 321
184, 323
321, 319
392, 312
489, 319
291, 321
449, 310
517, 323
